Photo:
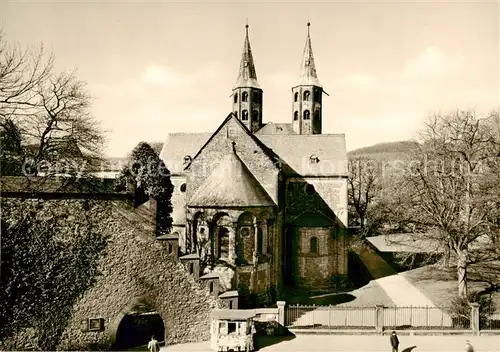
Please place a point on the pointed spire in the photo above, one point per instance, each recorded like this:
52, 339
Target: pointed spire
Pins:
308, 75
247, 77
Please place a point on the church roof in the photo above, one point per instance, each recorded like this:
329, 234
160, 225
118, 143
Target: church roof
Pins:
276, 128
308, 75
247, 76
231, 184
179, 145
310, 155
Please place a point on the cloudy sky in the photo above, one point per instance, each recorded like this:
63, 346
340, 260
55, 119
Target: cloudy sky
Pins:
161, 67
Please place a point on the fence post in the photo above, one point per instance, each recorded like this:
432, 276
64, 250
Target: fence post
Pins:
281, 312
379, 318
474, 318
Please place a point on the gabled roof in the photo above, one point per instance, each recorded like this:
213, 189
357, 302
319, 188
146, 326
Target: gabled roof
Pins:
231, 184
272, 156
276, 128
247, 76
179, 145
308, 75
297, 150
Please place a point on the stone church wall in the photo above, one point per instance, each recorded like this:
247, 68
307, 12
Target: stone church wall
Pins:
247, 149
134, 268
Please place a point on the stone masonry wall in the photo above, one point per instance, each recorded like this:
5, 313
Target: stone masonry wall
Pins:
134, 268
247, 149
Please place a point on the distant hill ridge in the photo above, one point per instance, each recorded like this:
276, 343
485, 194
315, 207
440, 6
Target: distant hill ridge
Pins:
384, 149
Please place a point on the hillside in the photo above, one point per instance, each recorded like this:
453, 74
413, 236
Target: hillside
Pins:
387, 150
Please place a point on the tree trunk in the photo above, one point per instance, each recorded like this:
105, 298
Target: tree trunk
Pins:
445, 263
462, 272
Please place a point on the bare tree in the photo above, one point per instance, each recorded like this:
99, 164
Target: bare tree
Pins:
50, 110
363, 184
444, 194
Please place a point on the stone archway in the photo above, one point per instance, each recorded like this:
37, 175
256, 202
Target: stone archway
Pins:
135, 324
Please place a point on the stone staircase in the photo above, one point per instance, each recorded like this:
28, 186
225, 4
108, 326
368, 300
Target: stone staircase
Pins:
144, 217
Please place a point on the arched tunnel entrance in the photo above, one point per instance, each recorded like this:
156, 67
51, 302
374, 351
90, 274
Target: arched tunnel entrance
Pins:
137, 326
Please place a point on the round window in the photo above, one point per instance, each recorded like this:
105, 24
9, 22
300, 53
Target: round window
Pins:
245, 232
183, 188
310, 189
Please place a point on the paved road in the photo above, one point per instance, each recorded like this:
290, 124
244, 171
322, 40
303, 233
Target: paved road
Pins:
364, 343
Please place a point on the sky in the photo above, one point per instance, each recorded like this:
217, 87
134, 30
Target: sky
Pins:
155, 68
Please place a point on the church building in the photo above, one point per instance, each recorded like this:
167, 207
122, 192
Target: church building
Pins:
263, 205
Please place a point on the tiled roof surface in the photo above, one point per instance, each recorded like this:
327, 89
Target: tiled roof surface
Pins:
297, 150
276, 128
179, 145
231, 184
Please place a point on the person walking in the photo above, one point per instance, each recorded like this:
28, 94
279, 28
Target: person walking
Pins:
468, 346
394, 342
153, 345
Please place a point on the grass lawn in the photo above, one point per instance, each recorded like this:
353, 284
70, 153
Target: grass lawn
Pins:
440, 285
369, 295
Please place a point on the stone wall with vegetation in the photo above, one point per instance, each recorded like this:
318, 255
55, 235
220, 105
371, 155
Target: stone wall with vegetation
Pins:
93, 260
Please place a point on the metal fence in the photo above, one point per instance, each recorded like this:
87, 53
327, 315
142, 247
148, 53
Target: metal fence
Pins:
426, 318
490, 320
330, 317
397, 318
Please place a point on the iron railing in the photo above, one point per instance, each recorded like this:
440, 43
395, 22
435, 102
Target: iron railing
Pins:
490, 320
395, 318
330, 317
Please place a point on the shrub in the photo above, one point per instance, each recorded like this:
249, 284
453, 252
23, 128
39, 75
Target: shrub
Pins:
461, 309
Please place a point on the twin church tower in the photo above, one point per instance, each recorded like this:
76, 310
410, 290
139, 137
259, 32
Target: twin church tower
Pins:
307, 95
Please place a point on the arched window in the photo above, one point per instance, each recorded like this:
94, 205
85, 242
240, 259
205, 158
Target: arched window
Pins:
187, 159
296, 96
307, 115
244, 96
317, 95
256, 96
295, 115
235, 97
307, 95
244, 115
255, 115
314, 245
183, 188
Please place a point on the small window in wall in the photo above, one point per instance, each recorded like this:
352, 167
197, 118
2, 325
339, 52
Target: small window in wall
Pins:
187, 159
295, 115
211, 287
244, 96
183, 188
231, 327
255, 115
236, 114
314, 245
307, 115
307, 95
296, 97
317, 95
235, 97
169, 248
244, 115
310, 189
256, 96
190, 266
231, 304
